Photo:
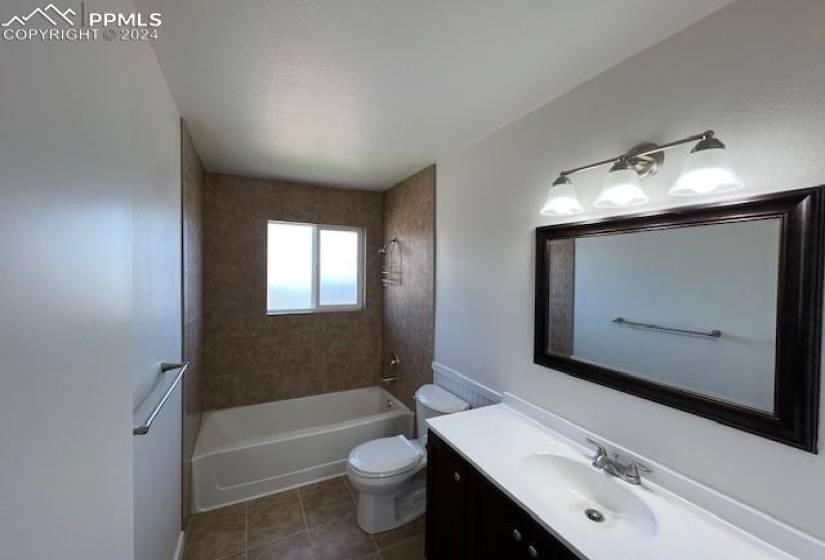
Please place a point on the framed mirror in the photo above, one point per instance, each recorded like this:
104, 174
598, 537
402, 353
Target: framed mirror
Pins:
714, 309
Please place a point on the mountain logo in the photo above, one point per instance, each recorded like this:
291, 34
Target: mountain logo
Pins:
50, 13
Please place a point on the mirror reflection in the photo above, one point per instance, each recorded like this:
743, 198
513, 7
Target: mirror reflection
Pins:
693, 308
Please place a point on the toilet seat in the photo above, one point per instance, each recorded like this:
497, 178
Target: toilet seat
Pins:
385, 457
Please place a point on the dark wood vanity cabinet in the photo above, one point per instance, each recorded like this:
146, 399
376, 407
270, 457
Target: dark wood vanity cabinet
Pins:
447, 486
470, 518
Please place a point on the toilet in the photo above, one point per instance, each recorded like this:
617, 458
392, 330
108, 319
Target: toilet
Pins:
390, 473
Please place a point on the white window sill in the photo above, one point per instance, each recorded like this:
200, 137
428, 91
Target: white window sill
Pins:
330, 309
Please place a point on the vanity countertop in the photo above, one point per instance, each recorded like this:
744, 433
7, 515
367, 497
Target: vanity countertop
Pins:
506, 445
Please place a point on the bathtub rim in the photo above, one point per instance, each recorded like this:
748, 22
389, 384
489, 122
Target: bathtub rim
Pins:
199, 453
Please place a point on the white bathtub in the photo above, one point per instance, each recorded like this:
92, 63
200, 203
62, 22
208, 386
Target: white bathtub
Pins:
250, 451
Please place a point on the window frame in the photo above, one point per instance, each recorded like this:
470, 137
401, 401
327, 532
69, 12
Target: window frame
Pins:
315, 296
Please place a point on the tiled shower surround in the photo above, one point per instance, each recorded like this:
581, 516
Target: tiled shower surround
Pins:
251, 357
409, 216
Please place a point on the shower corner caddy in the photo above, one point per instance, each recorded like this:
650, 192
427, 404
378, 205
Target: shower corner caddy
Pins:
391, 267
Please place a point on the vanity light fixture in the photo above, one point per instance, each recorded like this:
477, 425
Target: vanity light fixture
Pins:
707, 170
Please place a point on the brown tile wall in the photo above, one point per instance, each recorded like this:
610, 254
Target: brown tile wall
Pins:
408, 331
250, 357
192, 221
562, 299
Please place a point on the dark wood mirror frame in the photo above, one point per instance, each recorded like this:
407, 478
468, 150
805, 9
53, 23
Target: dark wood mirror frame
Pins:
794, 420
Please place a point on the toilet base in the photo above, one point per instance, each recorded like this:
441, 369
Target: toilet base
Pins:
383, 511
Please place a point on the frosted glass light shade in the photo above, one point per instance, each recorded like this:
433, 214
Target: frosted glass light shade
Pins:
622, 188
562, 200
706, 172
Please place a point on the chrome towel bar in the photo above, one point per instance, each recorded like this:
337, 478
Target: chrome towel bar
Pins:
143, 429
710, 334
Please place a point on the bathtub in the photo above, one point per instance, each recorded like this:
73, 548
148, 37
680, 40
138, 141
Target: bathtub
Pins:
251, 451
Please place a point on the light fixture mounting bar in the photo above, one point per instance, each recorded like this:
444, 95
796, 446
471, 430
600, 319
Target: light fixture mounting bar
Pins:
659, 148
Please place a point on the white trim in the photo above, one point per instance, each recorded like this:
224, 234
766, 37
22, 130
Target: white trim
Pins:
757, 523
316, 268
324, 309
179, 548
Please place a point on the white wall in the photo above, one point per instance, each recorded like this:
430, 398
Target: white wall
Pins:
721, 276
755, 72
85, 134
157, 307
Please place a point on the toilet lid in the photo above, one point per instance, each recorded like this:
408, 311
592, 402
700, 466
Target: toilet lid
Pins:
385, 456
438, 399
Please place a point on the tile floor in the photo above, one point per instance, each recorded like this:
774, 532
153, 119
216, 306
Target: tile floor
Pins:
316, 522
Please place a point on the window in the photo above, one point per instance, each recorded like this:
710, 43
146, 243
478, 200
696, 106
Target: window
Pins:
312, 268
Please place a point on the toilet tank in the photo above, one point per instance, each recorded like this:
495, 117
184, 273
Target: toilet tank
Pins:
432, 400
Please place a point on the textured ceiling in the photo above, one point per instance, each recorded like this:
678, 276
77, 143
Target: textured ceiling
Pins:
363, 93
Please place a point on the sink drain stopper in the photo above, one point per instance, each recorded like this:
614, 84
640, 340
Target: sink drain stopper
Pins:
594, 515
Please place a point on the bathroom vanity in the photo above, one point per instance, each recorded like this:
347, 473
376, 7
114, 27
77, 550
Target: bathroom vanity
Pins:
503, 485
471, 518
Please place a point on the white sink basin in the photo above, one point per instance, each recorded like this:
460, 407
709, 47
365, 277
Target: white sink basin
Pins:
576, 487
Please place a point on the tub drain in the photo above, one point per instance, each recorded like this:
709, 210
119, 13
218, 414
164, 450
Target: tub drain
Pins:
594, 515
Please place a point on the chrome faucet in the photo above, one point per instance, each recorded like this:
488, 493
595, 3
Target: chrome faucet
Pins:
393, 376
628, 472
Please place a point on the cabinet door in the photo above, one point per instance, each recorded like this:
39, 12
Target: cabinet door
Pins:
500, 529
544, 546
468, 517
447, 492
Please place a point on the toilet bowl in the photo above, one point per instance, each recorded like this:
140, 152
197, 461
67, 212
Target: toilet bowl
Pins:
390, 473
